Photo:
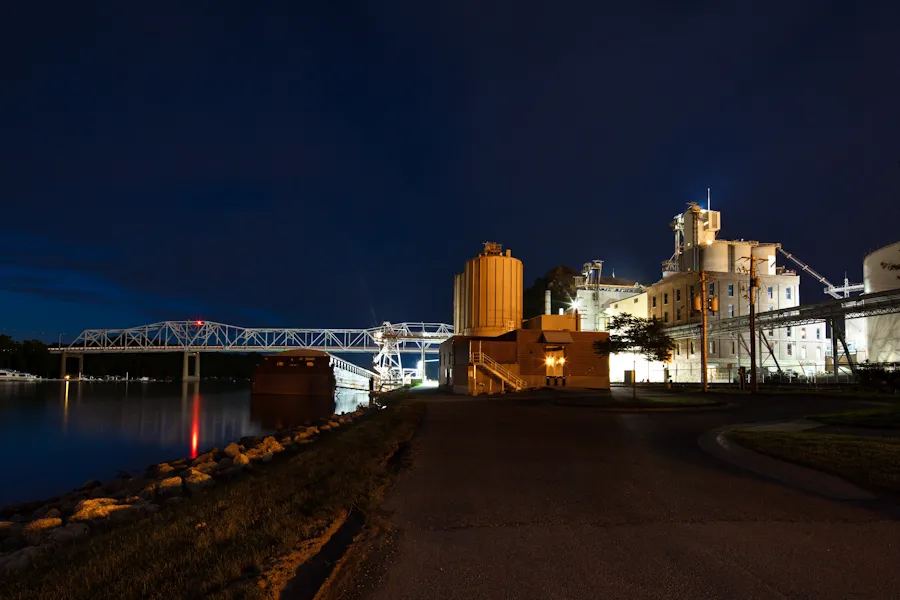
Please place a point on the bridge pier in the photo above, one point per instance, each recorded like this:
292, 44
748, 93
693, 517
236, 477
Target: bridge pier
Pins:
186, 367
64, 362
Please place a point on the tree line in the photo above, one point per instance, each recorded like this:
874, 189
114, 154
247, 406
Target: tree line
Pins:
33, 356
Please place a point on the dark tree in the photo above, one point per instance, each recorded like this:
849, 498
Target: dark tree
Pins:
646, 337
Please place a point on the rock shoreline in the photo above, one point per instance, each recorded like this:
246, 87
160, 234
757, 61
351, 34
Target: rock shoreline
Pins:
30, 528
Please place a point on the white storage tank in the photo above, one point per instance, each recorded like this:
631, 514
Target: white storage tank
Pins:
767, 253
491, 300
740, 258
882, 331
715, 257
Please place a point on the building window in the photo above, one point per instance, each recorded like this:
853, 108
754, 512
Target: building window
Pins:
771, 307
635, 300
678, 314
788, 331
712, 346
692, 290
731, 290
665, 297
692, 347
818, 333
666, 317
678, 349
790, 350
802, 352
654, 301
803, 333
771, 292
712, 290
818, 352
771, 333
787, 293
678, 295
734, 347
731, 310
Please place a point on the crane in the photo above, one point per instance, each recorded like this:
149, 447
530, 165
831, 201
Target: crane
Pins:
830, 289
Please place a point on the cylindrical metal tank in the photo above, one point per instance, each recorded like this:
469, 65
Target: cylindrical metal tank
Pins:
766, 252
741, 257
493, 294
882, 331
715, 257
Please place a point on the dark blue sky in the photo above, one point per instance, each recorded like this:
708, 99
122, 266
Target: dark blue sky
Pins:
335, 165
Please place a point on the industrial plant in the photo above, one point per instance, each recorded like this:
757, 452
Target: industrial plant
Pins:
496, 351
706, 286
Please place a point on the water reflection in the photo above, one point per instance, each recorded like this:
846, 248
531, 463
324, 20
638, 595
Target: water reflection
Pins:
281, 411
62, 434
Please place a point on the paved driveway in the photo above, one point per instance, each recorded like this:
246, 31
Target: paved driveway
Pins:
522, 499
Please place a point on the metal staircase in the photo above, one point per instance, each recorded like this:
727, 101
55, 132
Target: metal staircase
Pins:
498, 370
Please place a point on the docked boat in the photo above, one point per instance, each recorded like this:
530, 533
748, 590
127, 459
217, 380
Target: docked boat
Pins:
10, 375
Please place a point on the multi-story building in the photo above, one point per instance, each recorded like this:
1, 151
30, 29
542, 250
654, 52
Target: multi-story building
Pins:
595, 293
726, 266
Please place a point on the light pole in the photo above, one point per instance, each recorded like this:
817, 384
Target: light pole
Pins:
704, 304
752, 293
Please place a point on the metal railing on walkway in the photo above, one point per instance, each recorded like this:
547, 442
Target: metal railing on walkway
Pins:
504, 374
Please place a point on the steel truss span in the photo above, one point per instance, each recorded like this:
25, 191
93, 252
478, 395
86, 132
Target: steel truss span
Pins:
206, 336
880, 303
386, 342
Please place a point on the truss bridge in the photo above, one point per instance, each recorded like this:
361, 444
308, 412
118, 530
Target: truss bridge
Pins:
387, 343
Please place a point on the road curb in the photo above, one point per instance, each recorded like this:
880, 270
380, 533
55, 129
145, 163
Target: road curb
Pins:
717, 443
636, 409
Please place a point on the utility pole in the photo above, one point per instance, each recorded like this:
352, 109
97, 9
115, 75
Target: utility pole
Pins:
754, 388
704, 304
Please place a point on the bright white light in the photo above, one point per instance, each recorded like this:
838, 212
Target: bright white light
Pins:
562, 360
549, 360
708, 242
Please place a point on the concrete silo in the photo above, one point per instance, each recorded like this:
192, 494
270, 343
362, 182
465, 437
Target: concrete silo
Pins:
883, 331
715, 256
767, 253
488, 298
741, 253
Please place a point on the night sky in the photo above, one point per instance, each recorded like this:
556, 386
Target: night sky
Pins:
333, 164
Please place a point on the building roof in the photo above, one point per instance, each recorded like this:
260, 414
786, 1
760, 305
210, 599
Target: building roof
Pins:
556, 337
610, 280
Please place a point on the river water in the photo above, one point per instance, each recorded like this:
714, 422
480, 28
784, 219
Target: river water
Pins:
54, 436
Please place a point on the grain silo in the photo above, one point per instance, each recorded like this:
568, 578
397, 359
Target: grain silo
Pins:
488, 299
715, 256
881, 270
740, 256
765, 253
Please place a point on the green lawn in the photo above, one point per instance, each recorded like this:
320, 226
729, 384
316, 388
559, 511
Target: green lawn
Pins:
887, 417
208, 545
697, 400
626, 402
867, 461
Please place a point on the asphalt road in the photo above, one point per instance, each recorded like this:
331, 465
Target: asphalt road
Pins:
523, 499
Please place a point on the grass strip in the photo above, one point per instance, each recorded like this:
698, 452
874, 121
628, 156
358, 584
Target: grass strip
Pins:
867, 461
698, 400
887, 418
215, 543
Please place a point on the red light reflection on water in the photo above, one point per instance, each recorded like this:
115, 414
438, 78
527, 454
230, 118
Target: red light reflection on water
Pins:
195, 425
